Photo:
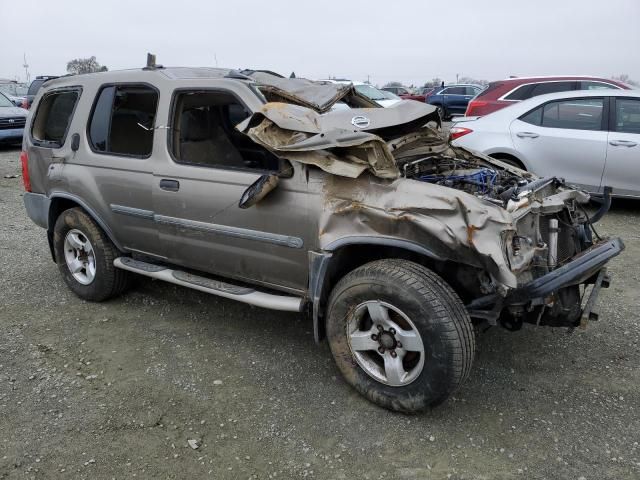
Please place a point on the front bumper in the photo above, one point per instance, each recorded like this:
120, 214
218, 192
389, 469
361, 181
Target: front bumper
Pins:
581, 269
12, 135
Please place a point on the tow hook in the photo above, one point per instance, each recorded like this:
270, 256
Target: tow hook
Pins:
589, 313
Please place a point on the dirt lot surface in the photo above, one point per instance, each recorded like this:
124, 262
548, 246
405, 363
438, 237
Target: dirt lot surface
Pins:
116, 390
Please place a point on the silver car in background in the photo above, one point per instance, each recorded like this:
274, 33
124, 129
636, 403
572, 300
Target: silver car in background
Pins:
589, 138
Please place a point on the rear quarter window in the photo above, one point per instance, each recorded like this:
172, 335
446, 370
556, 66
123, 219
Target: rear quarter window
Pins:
53, 117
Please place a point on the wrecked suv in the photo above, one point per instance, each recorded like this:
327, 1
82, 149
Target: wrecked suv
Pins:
254, 187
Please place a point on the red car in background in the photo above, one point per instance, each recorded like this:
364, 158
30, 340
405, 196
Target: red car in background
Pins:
503, 93
406, 94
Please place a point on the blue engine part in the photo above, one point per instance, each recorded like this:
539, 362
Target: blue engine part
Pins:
483, 178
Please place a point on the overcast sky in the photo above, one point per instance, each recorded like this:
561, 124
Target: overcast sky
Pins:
408, 41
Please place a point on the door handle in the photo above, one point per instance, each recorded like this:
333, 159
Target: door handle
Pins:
169, 185
527, 135
622, 143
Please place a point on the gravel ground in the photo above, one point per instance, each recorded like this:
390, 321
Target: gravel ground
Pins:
117, 390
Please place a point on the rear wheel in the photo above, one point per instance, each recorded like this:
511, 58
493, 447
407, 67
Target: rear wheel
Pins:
400, 335
85, 256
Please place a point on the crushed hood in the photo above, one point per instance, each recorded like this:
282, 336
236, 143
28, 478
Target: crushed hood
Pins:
341, 142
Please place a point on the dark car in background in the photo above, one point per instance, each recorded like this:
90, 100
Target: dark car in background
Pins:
33, 89
453, 99
503, 93
12, 121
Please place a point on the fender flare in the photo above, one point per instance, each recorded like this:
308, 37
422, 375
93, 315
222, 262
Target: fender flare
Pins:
319, 263
90, 211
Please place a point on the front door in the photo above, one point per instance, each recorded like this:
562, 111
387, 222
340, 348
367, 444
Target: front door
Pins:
565, 139
622, 170
197, 187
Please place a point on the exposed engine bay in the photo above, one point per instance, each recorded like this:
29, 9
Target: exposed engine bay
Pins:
493, 184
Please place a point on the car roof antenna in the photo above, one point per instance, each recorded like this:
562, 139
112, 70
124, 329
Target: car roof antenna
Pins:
151, 62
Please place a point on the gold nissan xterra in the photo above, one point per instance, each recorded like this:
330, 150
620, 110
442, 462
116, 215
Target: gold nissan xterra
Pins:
306, 196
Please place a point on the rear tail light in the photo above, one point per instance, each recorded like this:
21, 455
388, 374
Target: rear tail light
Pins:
457, 132
474, 105
24, 160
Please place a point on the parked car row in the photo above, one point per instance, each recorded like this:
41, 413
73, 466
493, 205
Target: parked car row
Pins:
15, 101
12, 121
14, 91
589, 138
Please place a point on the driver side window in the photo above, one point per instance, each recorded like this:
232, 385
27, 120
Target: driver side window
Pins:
204, 133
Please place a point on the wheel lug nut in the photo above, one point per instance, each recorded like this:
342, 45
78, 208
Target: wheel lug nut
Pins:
392, 331
399, 345
374, 337
394, 354
379, 327
381, 349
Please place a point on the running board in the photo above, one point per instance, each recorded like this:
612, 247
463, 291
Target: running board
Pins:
208, 285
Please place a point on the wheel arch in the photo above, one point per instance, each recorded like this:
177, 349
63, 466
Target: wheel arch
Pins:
345, 255
61, 201
502, 154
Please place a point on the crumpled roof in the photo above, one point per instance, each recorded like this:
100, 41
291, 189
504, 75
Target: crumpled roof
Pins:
316, 95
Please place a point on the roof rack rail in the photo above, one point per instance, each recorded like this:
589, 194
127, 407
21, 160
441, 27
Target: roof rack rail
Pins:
151, 62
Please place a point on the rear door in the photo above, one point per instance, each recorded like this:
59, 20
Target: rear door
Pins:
622, 170
564, 138
113, 168
456, 99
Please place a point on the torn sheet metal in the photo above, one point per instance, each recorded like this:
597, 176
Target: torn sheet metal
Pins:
454, 225
340, 148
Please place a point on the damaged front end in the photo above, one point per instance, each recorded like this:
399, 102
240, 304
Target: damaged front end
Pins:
517, 248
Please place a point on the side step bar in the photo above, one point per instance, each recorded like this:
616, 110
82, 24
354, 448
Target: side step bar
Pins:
208, 285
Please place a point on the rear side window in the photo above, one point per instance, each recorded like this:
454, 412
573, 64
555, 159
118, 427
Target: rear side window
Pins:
575, 114
53, 117
455, 91
520, 93
123, 120
551, 87
588, 85
529, 91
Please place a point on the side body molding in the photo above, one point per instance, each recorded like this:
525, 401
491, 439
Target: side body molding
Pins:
319, 263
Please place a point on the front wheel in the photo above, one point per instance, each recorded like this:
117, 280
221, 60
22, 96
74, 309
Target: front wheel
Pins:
400, 335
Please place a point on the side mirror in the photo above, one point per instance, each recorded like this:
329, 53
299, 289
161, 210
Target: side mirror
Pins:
258, 190
75, 142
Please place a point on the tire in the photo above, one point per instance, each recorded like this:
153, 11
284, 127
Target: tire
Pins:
98, 279
408, 291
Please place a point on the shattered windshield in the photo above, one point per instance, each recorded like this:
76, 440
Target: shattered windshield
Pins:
371, 92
